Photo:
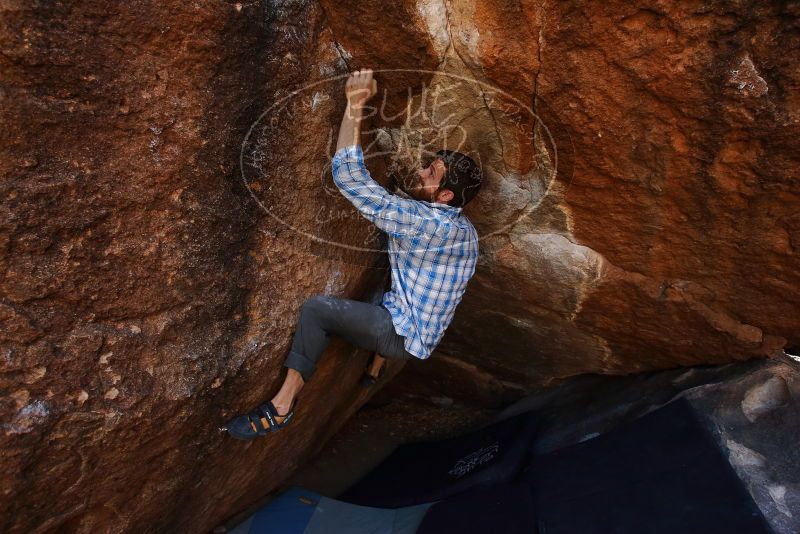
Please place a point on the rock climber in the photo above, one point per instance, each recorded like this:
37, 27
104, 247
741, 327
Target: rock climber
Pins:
433, 250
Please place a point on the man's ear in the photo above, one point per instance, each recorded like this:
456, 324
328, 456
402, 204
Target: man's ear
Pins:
445, 196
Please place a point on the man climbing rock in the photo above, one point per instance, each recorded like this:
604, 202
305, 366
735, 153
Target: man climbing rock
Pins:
433, 249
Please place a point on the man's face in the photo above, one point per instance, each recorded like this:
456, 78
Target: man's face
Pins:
426, 182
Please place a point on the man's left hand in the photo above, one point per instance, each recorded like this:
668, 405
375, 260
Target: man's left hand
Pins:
360, 87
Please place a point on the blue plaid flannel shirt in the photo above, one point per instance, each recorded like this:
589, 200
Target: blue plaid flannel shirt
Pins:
433, 251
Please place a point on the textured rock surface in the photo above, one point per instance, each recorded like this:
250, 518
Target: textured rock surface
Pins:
648, 220
145, 298
676, 239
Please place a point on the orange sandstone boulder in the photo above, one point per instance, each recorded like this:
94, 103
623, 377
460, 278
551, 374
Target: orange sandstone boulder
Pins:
167, 207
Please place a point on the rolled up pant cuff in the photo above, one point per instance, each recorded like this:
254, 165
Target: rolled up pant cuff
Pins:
301, 364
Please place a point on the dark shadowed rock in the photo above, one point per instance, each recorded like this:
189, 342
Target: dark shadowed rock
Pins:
760, 450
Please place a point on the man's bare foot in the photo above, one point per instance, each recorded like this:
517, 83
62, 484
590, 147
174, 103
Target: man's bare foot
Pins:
376, 365
284, 399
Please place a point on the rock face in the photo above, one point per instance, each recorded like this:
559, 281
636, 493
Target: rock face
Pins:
673, 237
145, 297
167, 207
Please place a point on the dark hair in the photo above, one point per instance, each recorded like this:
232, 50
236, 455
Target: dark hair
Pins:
463, 176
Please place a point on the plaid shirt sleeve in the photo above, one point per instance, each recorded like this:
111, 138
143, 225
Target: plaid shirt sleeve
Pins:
395, 215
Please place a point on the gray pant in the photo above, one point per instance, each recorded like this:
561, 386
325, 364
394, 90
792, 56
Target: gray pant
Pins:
365, 325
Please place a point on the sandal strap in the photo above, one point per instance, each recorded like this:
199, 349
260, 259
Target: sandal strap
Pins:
287, 417
268, 411
255, 418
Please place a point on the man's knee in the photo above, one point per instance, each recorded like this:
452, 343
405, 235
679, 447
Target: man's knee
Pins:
315, 305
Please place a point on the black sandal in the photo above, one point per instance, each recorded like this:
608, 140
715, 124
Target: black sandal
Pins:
258, 422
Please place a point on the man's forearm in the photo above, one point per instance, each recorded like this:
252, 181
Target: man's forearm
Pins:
350, 129
358, 89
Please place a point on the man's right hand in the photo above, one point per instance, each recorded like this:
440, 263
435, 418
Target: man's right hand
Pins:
360, 87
